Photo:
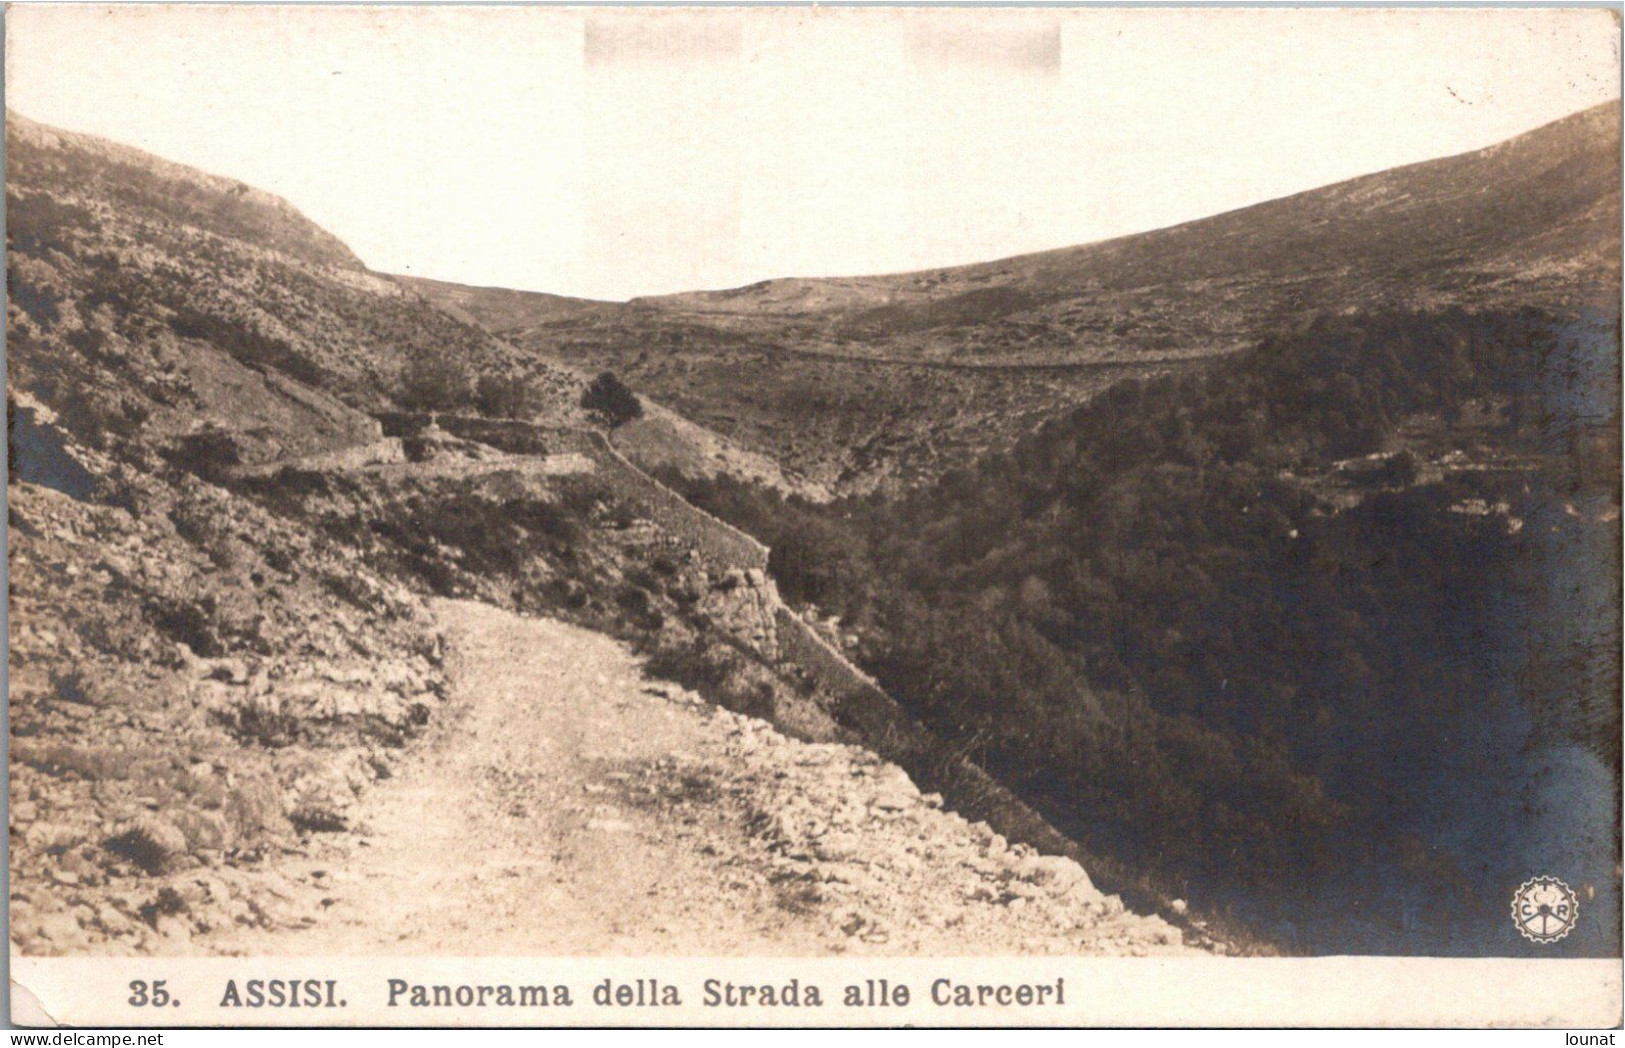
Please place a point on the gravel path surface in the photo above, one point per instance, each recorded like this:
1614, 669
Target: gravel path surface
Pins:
565, 804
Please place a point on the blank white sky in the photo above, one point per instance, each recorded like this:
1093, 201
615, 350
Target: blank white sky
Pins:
618, 152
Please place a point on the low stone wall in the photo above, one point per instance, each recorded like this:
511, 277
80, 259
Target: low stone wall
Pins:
516, 438
356, 456
717, 543
799, 643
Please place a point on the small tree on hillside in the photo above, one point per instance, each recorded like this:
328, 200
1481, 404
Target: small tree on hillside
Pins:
504, 396
611, 400
432, 381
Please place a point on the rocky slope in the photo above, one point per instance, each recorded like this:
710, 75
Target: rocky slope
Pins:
166, 312
150, 303
884, 381
195, 686
568, 804
220, 563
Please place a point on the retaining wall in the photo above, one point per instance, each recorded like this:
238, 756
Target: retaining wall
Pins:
514, 437
800, 643
356, 456
718, 543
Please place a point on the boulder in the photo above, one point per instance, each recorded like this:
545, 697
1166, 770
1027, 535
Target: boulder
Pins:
1056, 874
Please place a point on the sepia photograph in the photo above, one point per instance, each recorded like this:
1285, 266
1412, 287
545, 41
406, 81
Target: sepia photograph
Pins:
813, 515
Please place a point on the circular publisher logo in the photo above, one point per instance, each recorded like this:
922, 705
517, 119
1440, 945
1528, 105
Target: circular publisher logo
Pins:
1544, 909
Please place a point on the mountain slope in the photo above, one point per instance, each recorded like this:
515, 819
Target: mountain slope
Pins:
149, 301
1535, 218
499, 309
164, 310
867, 381
1336, 619
221, 568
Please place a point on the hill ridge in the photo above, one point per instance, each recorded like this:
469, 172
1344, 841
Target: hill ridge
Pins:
310, 241
1600, 122
836, 367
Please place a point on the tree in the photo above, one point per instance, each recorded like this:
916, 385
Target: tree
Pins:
504, 396
434, 381
610, 399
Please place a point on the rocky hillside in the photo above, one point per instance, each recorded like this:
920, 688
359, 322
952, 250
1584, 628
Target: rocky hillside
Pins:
165, 311
866, 381
224, 541
196, 685
150, 303
499, 309
580, 807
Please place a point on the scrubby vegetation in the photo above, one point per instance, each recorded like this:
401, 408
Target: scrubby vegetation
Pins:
506, 396
882, 381
1176, 625
434, 380
610, 399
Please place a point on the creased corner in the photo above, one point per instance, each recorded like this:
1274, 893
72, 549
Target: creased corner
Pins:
26, 1009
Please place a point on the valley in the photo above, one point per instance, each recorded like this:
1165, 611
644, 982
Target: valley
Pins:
837, 378
1139, 597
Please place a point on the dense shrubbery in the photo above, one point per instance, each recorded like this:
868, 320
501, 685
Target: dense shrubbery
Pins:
434, 380
505, 396
1146, 621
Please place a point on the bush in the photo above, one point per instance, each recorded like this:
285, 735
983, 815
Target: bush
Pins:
1401, 470
41, 304
258, 723
151, 844
209, 454
433, 381
715, 669
504, 396
610, 399
189, 623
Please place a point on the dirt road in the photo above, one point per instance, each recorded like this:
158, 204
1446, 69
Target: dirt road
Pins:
564, 804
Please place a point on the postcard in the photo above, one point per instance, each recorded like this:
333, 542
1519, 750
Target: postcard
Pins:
813, 516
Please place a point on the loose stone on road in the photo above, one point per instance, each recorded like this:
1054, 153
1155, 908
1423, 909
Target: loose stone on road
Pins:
565, 804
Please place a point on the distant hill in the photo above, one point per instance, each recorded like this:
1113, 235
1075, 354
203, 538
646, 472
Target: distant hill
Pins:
152, 305
867, 381
498, 308
1534, 218
150, 301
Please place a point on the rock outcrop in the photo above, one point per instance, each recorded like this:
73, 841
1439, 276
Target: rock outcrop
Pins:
195, 685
